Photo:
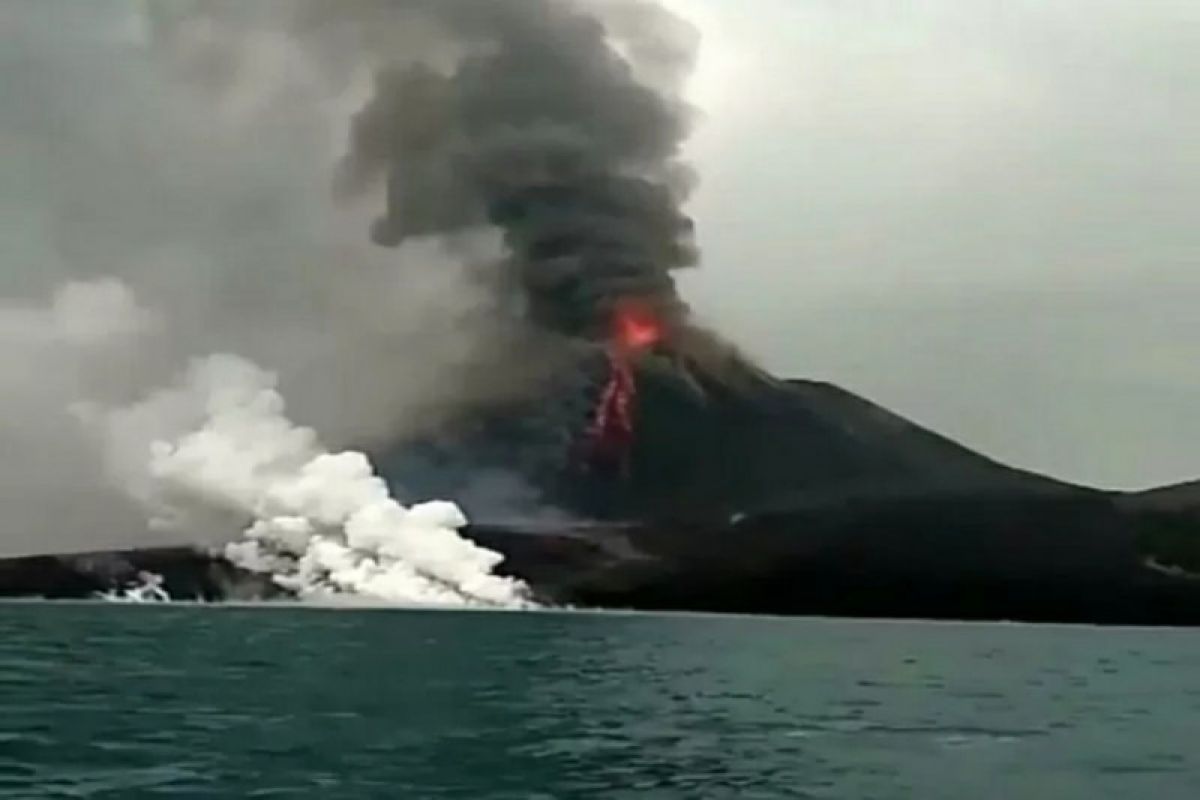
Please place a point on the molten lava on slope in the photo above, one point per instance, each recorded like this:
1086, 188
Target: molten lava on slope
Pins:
610, 434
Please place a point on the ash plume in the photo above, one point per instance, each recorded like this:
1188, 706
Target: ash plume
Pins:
545, 128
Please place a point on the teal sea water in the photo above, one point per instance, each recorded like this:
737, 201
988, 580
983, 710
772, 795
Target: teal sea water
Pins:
107, 701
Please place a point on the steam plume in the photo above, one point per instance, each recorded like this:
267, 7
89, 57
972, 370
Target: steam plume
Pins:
322, 524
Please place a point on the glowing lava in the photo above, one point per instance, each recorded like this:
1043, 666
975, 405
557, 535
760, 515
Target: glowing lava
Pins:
635, 328
610, 436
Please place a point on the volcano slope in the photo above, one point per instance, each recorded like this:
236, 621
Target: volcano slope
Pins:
708, 444
748, 494
745, 493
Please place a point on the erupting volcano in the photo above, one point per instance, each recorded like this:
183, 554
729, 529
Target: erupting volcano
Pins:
643, 463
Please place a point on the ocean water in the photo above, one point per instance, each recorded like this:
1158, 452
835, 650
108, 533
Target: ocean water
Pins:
115, 701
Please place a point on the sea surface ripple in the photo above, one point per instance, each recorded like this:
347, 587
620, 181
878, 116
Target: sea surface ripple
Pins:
104, 701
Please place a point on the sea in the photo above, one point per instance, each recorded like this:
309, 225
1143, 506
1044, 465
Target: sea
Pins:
186, 701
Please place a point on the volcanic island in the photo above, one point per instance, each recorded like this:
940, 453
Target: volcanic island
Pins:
723, 489
681, 475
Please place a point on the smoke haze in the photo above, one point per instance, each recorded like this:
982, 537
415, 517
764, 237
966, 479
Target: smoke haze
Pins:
544, 130
169, 192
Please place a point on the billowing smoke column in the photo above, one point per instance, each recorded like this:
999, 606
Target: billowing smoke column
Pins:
544, 128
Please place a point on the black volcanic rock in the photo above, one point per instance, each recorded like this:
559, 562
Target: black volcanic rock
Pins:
1178, 498
1015, 557
757, 444
1064, 558
189, 574
709, 443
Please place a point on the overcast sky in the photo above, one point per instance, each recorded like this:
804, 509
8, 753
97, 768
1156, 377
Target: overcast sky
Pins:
980, 214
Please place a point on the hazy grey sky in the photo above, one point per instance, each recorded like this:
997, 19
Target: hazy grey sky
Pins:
980, 214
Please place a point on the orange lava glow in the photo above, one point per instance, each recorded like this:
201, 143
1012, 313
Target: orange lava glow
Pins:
636, 328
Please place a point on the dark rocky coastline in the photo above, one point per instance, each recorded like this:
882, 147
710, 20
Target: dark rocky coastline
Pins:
963, 557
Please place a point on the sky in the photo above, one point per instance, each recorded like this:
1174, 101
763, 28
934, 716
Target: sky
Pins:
978, 214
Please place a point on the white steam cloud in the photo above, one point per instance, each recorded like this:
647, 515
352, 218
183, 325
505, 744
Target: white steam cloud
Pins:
217, 447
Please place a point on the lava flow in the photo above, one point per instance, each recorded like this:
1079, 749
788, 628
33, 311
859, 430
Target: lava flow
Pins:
635, 329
